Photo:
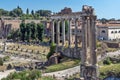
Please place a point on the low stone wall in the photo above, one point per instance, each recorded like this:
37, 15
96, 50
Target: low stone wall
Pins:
113, 44
70, 52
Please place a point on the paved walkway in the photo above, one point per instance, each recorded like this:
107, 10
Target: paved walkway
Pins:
5, 73
69, 72
64, 73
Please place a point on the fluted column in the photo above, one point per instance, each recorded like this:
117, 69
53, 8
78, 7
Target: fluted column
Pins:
53, 37
63, 32
84, 42
94, 56
69, 33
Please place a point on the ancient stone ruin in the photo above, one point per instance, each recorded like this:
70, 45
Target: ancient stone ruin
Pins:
86, 18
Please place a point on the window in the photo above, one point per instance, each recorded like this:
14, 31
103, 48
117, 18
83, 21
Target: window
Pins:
111, 31
119, 32
115, 31
103, 31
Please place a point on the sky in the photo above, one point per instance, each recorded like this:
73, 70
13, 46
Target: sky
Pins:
103, 8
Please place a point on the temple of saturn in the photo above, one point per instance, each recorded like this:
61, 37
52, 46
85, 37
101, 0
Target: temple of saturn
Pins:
87, 53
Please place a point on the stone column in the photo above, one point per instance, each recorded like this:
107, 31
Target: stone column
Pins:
53, 37
76, 32
84, 42
58, 32
57, 35
63, 32
69, 37
69, 33
83, 52
94, 55
94, 41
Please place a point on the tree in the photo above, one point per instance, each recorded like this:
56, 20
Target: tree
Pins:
17, 12
104, 20
32, 12
27, 11
28, 31
43, 12
22, 30
4, 12
14, 34
52, 50
33, 30
40, 31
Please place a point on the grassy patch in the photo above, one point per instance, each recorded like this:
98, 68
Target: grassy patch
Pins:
62, 66
27, 75
107, 68
112, 49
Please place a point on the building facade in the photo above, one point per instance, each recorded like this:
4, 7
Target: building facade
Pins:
108, 32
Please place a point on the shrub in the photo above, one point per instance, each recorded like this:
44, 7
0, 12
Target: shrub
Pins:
1, 61
52, 50
107, 61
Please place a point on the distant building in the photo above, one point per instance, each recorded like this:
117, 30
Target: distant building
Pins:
66, 11
108, 31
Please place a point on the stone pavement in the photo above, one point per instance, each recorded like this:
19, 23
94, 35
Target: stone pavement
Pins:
5, 73
61, 75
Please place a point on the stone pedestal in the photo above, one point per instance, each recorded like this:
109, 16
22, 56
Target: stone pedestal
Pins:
89, 72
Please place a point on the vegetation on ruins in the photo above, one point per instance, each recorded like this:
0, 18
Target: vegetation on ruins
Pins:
14, 34
69, 63
27, 32
27, 75
110, 67
52, 50
107, 69
107, 61
18, 12
1, 61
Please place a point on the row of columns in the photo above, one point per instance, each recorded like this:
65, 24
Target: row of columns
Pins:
63, 31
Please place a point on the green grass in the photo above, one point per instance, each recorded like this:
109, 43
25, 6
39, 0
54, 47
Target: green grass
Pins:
108, 68
27, 75
62, 66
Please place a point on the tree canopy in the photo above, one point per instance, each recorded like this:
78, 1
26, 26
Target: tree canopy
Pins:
18, 12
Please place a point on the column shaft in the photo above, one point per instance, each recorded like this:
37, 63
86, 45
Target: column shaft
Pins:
53, 37
58, 32
69, 33
76, 30
94, 56
63, 32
